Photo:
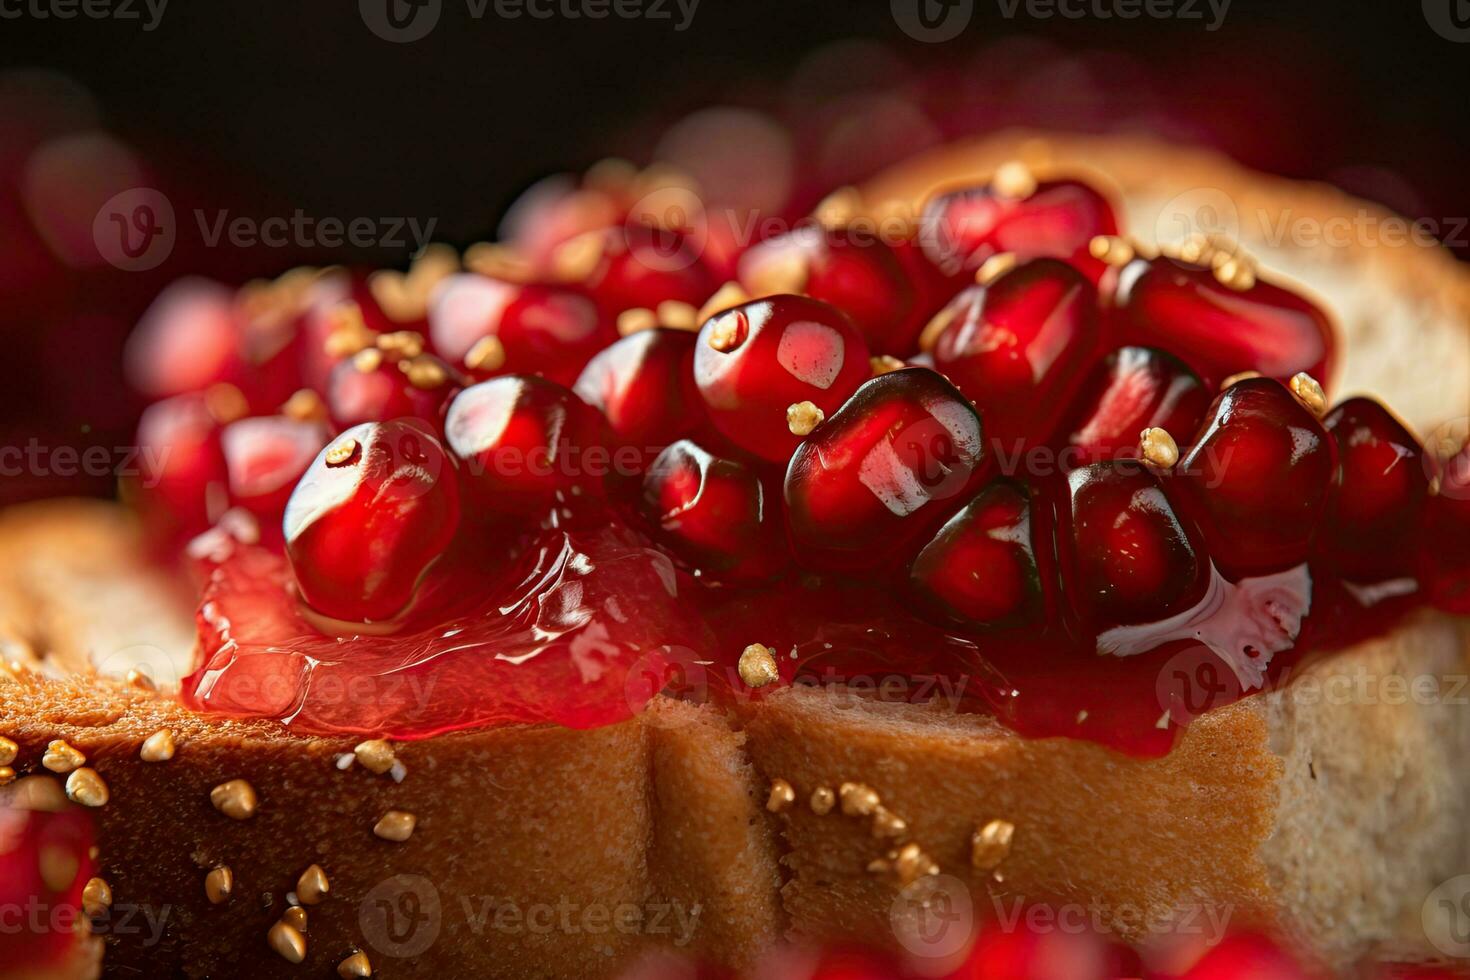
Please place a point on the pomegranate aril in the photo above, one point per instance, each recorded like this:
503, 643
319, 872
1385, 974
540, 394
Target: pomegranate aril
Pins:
753, 362
1017, 346
635, 265
1381, 486
183, 480
1222, 325
644, 387
1053, 219
981, 569
373, 511
490, 326
720, 517
884, 470
265, 457
46, 860
375, 385
1257, 478
187, 340
1129, 557
1444, 536
522, 440
1246, 955
1134, 388
853, 270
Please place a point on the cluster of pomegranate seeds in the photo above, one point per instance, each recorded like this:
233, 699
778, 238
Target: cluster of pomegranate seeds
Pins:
1090, 461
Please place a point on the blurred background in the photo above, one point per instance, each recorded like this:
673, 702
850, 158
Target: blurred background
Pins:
434, 115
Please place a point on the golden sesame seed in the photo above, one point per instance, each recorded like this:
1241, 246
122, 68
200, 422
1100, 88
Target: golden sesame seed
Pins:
575, 259
839, 208
885, 364
677, 315
727, 297
886, 823
395, 825
349, 333
1014, 180
96, 897
367, 360
295, 917
728, 331
784, 272
406, 344
7, 775
1157, 448
498, 261
1238, 377
425, 373
226, 403
139, 679
218, 884
8, 750
312, 886
823, 800
637, 319
1309, 392
58, 866
305, 406
236, 799
757, 665
991, 843
342, 452
1196, 249
1112, 249
995, 267
803, 417
376, 755
858, 799
84, 786
61, 757
486, 354
782, 796
355, 967
39, 793
1237, 273
158, 747
287, 941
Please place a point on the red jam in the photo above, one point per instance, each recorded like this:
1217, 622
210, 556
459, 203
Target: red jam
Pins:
574, 552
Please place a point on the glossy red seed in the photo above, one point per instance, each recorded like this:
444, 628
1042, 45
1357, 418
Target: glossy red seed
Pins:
755, 361
961, 229
265, 457
1018, 347
981, 569
854, 270
1129, 557
374, 510
641, 266
540, 329
718, 516
1444, 537
1134, 388
1381, 486
1218, 330
644, 386
183, 478
522, 440
373, 387
884, 470
1257, 478
188, 339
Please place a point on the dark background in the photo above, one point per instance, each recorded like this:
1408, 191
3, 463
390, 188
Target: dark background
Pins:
268, 107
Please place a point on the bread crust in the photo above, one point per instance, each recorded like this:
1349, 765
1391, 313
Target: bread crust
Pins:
1255, 812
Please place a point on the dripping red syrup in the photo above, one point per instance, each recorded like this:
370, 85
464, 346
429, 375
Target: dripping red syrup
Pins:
581, 621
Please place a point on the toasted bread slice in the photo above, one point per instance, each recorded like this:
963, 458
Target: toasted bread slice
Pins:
547, 852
